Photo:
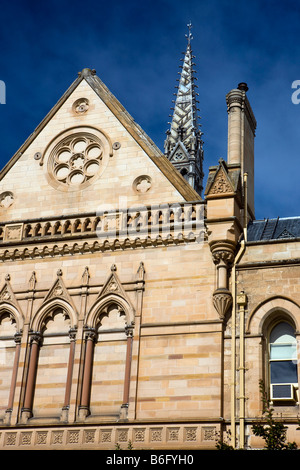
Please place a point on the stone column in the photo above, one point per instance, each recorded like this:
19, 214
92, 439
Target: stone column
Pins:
84, 409
31, 377
66, 406
125, 405
13, 379
223, 257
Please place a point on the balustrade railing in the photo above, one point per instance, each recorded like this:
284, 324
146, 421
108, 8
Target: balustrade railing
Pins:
148, 221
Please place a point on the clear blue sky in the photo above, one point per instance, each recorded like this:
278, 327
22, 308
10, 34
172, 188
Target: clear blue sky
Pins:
136, 46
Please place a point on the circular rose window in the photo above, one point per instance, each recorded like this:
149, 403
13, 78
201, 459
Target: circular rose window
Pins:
77, 158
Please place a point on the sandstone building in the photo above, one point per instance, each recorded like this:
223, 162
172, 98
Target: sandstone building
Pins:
139, 302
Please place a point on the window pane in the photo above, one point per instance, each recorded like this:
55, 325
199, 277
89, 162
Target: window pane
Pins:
283, 372
283, 351
283, 333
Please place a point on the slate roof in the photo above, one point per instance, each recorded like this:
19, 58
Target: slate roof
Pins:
274, 229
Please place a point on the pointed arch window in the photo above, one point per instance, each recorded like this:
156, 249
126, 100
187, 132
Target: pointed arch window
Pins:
9, 354
283, 367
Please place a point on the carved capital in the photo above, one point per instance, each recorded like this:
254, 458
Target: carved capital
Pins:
18, 337
72, 334
36, 337
129, 331
222, 300
223, 255
223, 250
91, 335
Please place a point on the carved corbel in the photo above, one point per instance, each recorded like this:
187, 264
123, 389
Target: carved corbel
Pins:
222, 300
223, 256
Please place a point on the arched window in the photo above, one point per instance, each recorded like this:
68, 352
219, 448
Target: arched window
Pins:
109, 363
52, 365
283, 362
107, 358
7, 358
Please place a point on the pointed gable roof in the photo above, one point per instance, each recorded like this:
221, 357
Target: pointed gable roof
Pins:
181, 185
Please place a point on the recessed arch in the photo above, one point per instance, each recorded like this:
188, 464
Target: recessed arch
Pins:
47, 310
101, 307
17, 317
267, 309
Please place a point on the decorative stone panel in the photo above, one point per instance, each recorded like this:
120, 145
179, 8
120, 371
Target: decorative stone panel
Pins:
183, 436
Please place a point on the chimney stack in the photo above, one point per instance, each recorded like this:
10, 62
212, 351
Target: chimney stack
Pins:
241, 133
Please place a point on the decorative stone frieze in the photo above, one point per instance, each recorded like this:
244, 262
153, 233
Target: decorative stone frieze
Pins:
182, 435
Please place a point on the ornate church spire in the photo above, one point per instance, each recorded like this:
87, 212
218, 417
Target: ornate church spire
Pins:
183, 145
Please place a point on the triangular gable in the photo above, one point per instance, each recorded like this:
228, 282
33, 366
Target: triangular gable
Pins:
113, 286
168, 170
222, 180
179, 154
7, 294
59, 291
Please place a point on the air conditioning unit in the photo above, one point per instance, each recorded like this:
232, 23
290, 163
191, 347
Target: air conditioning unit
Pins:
282, 392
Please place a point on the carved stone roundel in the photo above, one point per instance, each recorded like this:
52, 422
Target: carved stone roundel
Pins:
77, 158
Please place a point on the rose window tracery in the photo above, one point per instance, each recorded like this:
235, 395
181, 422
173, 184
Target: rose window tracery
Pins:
77, 158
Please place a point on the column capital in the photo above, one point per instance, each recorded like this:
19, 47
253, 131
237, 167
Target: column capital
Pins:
72, 334
129, 331
18, 337
90, 334
223, 256
35, 337
223, 251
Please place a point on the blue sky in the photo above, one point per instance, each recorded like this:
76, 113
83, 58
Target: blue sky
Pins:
136, 47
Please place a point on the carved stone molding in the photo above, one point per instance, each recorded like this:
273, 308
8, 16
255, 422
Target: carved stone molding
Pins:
150, 436
223, 255
222, 300
221, 184
222, 245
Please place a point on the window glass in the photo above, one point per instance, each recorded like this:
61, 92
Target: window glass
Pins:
282, 333
283, 372
283, 354
283, 351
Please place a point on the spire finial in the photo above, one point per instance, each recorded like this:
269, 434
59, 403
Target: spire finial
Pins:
189, 36
183, 145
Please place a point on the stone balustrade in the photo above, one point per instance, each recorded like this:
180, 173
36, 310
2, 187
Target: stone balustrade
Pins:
102, 230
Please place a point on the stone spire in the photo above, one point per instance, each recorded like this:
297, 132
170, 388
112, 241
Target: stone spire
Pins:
183, 145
